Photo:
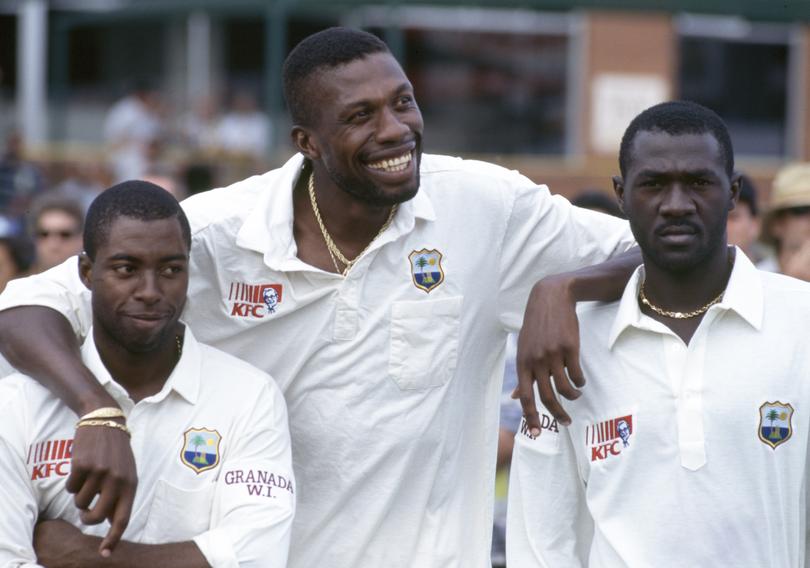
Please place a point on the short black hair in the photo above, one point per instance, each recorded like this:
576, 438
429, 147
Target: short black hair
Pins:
329, 48
748, 194
675, 118
136, 199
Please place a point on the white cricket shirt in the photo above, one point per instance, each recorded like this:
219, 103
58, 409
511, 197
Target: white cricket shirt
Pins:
680, 456
212, 450
392, 375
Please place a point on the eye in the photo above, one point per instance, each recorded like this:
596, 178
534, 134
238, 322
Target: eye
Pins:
405, 100
124, 269
359, 116
172, 270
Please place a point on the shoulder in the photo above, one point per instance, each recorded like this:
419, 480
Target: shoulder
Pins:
475, 172
793, 293
230, 374
225, 206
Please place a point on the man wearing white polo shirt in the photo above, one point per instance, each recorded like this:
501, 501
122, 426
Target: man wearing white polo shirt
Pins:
396, 278
689, 448
209, 432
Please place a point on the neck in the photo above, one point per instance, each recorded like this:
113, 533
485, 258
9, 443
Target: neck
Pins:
686, 291
349, 220
141, 374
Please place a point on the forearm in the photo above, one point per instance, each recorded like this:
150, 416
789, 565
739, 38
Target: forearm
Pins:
604, 282
82, 552
40, 342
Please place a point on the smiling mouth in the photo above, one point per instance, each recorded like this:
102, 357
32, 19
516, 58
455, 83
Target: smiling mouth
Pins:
393, 165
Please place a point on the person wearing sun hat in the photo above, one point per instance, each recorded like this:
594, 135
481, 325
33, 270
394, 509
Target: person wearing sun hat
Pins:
787, 221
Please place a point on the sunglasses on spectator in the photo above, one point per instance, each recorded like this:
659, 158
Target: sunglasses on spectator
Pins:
797, 211
63, 234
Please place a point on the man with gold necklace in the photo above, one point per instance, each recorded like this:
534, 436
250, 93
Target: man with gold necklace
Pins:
689, 448
396, 278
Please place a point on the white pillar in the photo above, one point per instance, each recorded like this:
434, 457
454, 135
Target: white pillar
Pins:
199, 56
32, 42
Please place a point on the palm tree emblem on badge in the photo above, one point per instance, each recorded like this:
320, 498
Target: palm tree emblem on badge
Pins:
775, 427
426, 268
200, 449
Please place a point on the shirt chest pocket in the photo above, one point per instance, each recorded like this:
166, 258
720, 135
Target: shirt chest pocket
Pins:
178, 515
424, 342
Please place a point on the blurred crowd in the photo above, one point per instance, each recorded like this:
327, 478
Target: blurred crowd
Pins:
42, 203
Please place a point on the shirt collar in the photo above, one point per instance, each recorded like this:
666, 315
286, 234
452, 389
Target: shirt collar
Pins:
184, 379
268, 228
744, 295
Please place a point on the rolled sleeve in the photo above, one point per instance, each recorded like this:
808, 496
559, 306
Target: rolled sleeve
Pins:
254, 500
59, 288
547, 235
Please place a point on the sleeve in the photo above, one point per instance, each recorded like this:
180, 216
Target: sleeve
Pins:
17, 499
547, 235
255, 495
547, 522
59, 288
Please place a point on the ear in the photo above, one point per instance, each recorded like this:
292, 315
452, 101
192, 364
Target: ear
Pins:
618, 189
85, 269
304, 140
736, 186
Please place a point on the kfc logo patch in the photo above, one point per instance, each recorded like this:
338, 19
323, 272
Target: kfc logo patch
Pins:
50, 457
254, 301
609, 438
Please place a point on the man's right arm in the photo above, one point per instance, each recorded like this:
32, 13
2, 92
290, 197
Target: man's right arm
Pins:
40, 320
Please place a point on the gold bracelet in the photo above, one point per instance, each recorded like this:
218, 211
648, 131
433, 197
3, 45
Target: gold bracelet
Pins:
107, 423
105, 412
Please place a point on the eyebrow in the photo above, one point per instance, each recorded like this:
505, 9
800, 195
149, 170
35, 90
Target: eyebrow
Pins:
130, 258
405, 86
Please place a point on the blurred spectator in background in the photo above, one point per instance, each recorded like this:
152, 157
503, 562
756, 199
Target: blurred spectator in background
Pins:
56, 224
511, 413
744, 222
200, 128
787, 221
80, 181
15, 259
597, 200
20, 180
131, 128
15, 255
244, 130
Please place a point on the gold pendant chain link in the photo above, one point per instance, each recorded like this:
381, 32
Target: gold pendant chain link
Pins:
334, 251
683, 315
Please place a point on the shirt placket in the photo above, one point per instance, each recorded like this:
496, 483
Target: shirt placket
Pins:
685, 370
346, 315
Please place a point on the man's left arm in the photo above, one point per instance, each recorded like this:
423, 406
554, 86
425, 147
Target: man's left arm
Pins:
255, 495
545, 237
59, 544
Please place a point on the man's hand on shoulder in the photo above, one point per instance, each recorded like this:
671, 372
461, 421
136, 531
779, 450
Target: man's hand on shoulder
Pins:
548, 344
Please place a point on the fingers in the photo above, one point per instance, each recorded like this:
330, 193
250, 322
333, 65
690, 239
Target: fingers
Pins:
549, 400
118, 522
104, 480
525, 391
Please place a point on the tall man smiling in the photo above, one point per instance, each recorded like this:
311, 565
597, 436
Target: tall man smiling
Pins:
690, 446
397, 278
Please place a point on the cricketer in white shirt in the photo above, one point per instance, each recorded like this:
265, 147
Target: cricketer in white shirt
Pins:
678, 455
212, 450
392, 375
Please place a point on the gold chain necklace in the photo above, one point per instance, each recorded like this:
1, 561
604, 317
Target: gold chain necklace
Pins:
676, 315
334, 251
684, 315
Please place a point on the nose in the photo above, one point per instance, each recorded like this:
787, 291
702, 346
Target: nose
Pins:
390, 127
148, 290
677, 201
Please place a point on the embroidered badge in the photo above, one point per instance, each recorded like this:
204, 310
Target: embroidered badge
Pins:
254, 301
609, 438
200, 449
426, 269
775, 427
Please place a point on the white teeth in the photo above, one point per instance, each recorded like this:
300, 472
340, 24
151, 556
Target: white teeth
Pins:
393, 165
